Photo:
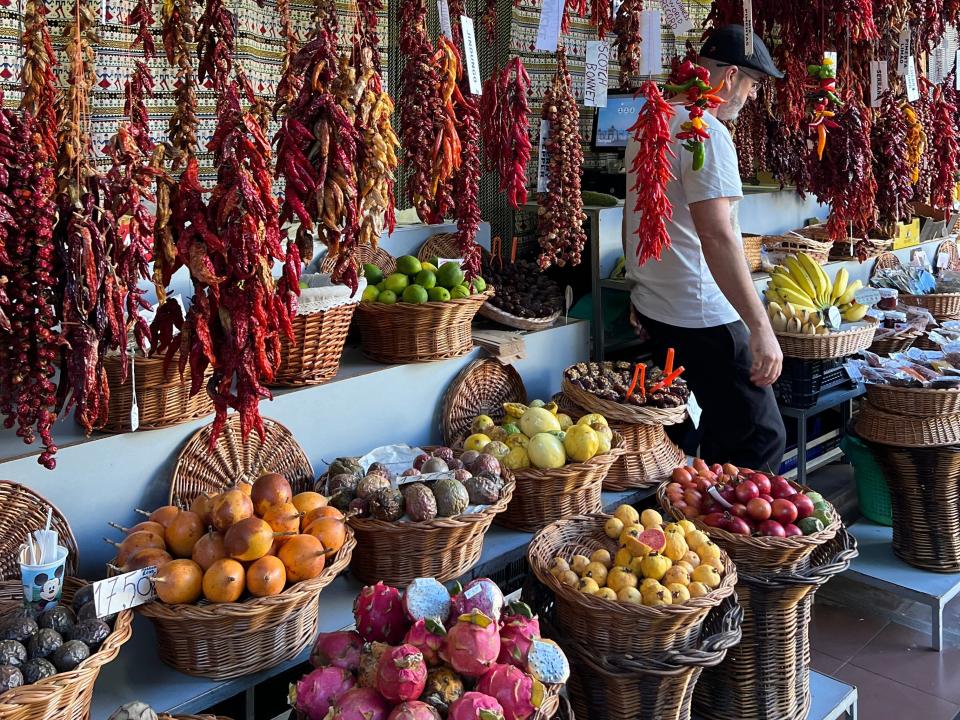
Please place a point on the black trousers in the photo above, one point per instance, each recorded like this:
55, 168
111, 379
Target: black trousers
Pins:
741, 423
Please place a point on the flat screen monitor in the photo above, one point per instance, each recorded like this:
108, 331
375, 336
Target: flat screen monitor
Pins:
612, 123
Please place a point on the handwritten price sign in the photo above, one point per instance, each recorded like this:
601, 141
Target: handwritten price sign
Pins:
596, 74
124, 591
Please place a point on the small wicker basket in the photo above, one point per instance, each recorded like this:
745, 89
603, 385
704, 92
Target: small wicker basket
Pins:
825, 347
780, 246
313, 357
481, 388
163, 397
916, 402
886, 428
365, 254
440, 245
889, 344
943, 306
602, 625
66, 695
489, 311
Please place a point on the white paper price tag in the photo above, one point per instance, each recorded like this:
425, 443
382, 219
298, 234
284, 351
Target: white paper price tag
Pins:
936, 64
650, 61
543, 180
905, 50
694, 410
470, 50
124, 591
443, 10
867, 296
596, 73
548, 33
444, 261
879, 82
943, 260
748, 28
676, 16
913, 90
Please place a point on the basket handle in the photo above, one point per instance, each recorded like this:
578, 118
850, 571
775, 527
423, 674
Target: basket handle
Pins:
841, 550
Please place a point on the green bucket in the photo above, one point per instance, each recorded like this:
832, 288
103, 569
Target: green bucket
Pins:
872, 491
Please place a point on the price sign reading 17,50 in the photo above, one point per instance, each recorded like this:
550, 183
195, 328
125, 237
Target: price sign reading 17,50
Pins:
124, 591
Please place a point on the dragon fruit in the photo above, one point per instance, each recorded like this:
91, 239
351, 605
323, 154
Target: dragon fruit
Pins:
369, 660
428, 636
340, 649
547, 663
401, 674
519, 694
517, 631
479, 594
319, 690
360, 704
443, 687
414, 710
476, 706
378, 611
426, 598
473, 644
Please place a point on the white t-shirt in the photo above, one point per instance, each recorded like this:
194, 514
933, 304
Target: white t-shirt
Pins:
679, 290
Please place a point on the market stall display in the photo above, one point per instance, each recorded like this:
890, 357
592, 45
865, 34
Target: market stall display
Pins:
917, 286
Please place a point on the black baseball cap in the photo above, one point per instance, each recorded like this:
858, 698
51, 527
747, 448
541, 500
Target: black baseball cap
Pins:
726, 45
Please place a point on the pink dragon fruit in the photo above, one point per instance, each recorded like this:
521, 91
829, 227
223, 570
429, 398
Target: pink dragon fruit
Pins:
360, 704
414, 710
479, 594
428, 636
473, 644
379, 614
340, 649
476, 706
401, 674
426, 598
518, 630
317, 691
518, 693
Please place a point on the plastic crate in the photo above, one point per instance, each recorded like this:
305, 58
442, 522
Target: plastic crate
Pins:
873, 495
802, 382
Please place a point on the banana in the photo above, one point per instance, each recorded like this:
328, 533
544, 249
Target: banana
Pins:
786, 282
772, 295
789, 310
839, 285
793, 325
856, 312
808, 329
800, 277
823, 330
818, 277
798, 300
847, 297
773, 308
779, 322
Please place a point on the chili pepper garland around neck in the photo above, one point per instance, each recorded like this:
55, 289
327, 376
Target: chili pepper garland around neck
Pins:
824, 100
693, 82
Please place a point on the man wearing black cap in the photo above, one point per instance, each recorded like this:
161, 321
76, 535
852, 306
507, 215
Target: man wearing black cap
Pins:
699, 298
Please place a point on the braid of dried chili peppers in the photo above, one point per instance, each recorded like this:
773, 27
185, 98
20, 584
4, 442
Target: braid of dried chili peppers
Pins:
926, 21
289, 84
216, 42
891, 166
39, 97
142, 17
505, 127
857, 16
945, 151
824, 100
651, 171
626, 27
601, 16
447, 152
578, 7
466, 181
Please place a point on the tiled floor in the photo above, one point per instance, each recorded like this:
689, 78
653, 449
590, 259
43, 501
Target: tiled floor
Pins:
896, 673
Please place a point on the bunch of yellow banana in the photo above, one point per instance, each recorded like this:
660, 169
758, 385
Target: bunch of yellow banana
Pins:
791, 319
802, 283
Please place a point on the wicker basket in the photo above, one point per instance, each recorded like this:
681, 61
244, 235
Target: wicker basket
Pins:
314, 355
67, 695
761, 555
831, 345
481, 388
784, 245
917, 402
163, 397
948, 248
441, 245
490, 312
752, 245
924, 488
606, 626
229, 640
881, 427
893, 343
444, 548
767, 676
885, 261
619, 411
943, 306
365, 254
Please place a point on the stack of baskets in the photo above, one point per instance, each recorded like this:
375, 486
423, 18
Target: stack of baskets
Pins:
229, 640
767, 677
541, 496
630, 661
66, 695
752, 247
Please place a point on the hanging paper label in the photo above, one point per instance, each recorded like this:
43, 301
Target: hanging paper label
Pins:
867, 296
879, 82
905, 51
694, 410
956, 74
596, 73
470, 50
913, 90
543, 180
943, 261
443, 10
124, 591
650, 61
676, 16
936, 64
748, 28
548, 34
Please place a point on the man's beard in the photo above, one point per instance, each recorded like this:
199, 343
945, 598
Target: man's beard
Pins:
729, 112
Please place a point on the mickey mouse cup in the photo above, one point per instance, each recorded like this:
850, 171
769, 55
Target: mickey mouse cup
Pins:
43, 584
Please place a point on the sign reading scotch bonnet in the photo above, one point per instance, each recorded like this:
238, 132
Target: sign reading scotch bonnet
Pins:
596, 74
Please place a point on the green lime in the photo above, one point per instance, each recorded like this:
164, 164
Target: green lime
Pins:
372, 273
415, 295
382, 285
438, 294
426, 279
428, 266
408, 265
460, 291
449, 275
370, 294
435, 261
479, 284
396, 283
387, 297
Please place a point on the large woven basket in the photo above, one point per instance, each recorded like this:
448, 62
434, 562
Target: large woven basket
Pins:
949, 249
64, 696
443, 548
943, 306
782, 245
440, 245
365, 254
163, 397
917, 402
885, 428
752, 245
893, 343
831, 345
925, 498
767, 676
314, 355
229, 640
633, 414
761, 555
607, 626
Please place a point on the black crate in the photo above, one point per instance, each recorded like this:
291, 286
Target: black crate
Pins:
802, 382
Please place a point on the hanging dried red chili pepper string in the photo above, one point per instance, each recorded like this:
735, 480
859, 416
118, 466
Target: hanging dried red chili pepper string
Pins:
505, 126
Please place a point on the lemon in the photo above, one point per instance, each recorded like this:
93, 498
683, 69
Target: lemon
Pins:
370, 294
476, 442
396, 283
408, 265
581, 443
592, 418
546, 451
387, 297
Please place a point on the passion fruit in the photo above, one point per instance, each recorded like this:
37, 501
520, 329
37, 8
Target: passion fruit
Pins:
230, 508
249, 539
164, 515
179, 582
182, 533
306, 501
202, 505
145, 558
332, 532
284, 517
223, 582
208, 550
320, 512
303, 557
266, 576
135, 542
270, 489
